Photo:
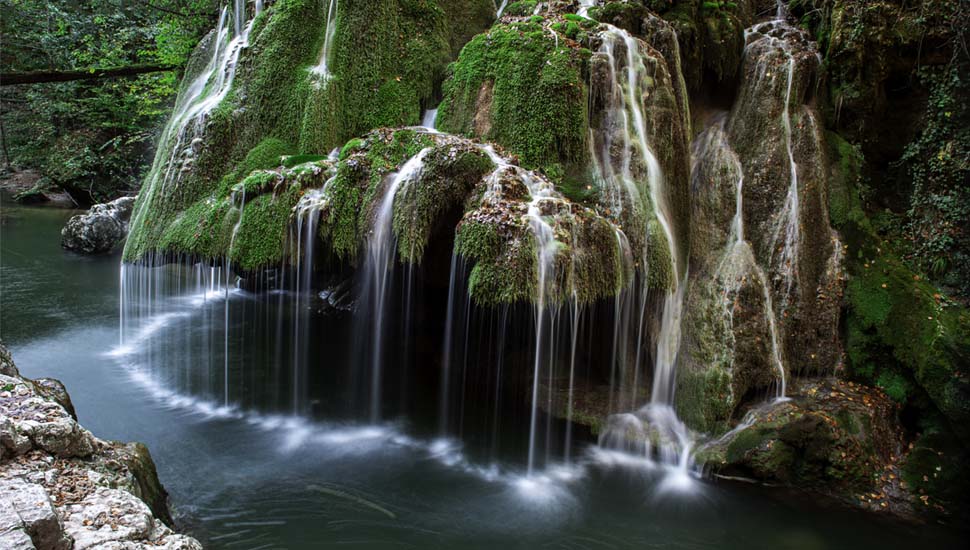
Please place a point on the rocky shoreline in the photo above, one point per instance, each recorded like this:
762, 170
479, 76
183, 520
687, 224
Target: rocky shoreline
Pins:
63, 488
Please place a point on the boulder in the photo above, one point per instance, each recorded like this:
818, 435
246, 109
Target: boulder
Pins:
833, 437
63, 488
28, 509
100, 229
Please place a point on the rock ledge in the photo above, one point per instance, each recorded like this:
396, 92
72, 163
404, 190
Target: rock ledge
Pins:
61, 488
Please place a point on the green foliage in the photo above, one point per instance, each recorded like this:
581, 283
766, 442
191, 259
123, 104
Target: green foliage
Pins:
92, 138
938, 163
902, 334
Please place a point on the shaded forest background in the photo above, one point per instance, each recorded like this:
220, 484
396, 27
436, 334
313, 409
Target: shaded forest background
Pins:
92, 138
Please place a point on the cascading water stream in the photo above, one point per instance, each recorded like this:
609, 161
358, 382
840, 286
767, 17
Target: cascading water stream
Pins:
541, 191
429, 118
623, 187
322, 68
307, 216
738, 259
379, 271
773, 36
196, 102
232, 243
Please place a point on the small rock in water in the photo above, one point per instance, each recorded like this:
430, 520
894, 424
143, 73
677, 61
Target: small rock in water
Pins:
100, 229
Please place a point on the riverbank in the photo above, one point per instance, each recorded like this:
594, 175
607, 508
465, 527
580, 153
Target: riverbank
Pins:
63, 488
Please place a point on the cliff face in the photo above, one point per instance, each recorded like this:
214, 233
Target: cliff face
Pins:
62, 488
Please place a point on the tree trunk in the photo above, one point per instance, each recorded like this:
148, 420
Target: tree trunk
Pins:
37, 77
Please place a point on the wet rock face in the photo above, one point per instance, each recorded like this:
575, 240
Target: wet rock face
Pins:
63, 488
767, 283
832, 436
100, 229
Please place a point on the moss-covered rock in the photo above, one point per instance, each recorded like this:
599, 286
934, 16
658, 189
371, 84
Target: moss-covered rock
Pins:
778, 140
902, 333
832, 437
521, 85
896, 87
766, 280
387, 62
709, 34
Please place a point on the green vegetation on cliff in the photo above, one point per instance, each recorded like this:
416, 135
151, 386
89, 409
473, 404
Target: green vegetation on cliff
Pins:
387, 61
92, 137
522, 85
903, 335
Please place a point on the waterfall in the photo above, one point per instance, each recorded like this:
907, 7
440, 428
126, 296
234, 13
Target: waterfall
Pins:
622, 182
738, 260
788, 221
322, 68
544, 198
378, 273
178, 144
501, 9
307, 215
429, 118
232, 243
584, 6
449, 346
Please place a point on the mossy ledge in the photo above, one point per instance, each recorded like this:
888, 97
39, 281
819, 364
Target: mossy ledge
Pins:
521, 84
462, 191
387, 62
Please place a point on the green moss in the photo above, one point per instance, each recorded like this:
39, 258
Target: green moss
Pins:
357, 185
704, 398
521, 9
505, 255
350, 147
203, 229
745, 441
935, 468
660, 271
295, 160
259, 242
450, 173
901, 332
516, 87
339, 223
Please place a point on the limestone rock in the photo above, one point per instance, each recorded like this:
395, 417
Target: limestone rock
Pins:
35, 514
111, 518
62, 488
832, 436
7, 366
100, 229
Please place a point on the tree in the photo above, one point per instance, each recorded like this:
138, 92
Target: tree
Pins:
85, 132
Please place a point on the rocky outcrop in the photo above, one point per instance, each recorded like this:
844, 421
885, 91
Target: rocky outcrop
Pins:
766, 267
61, 488
832, 437
386, 63
100, 229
